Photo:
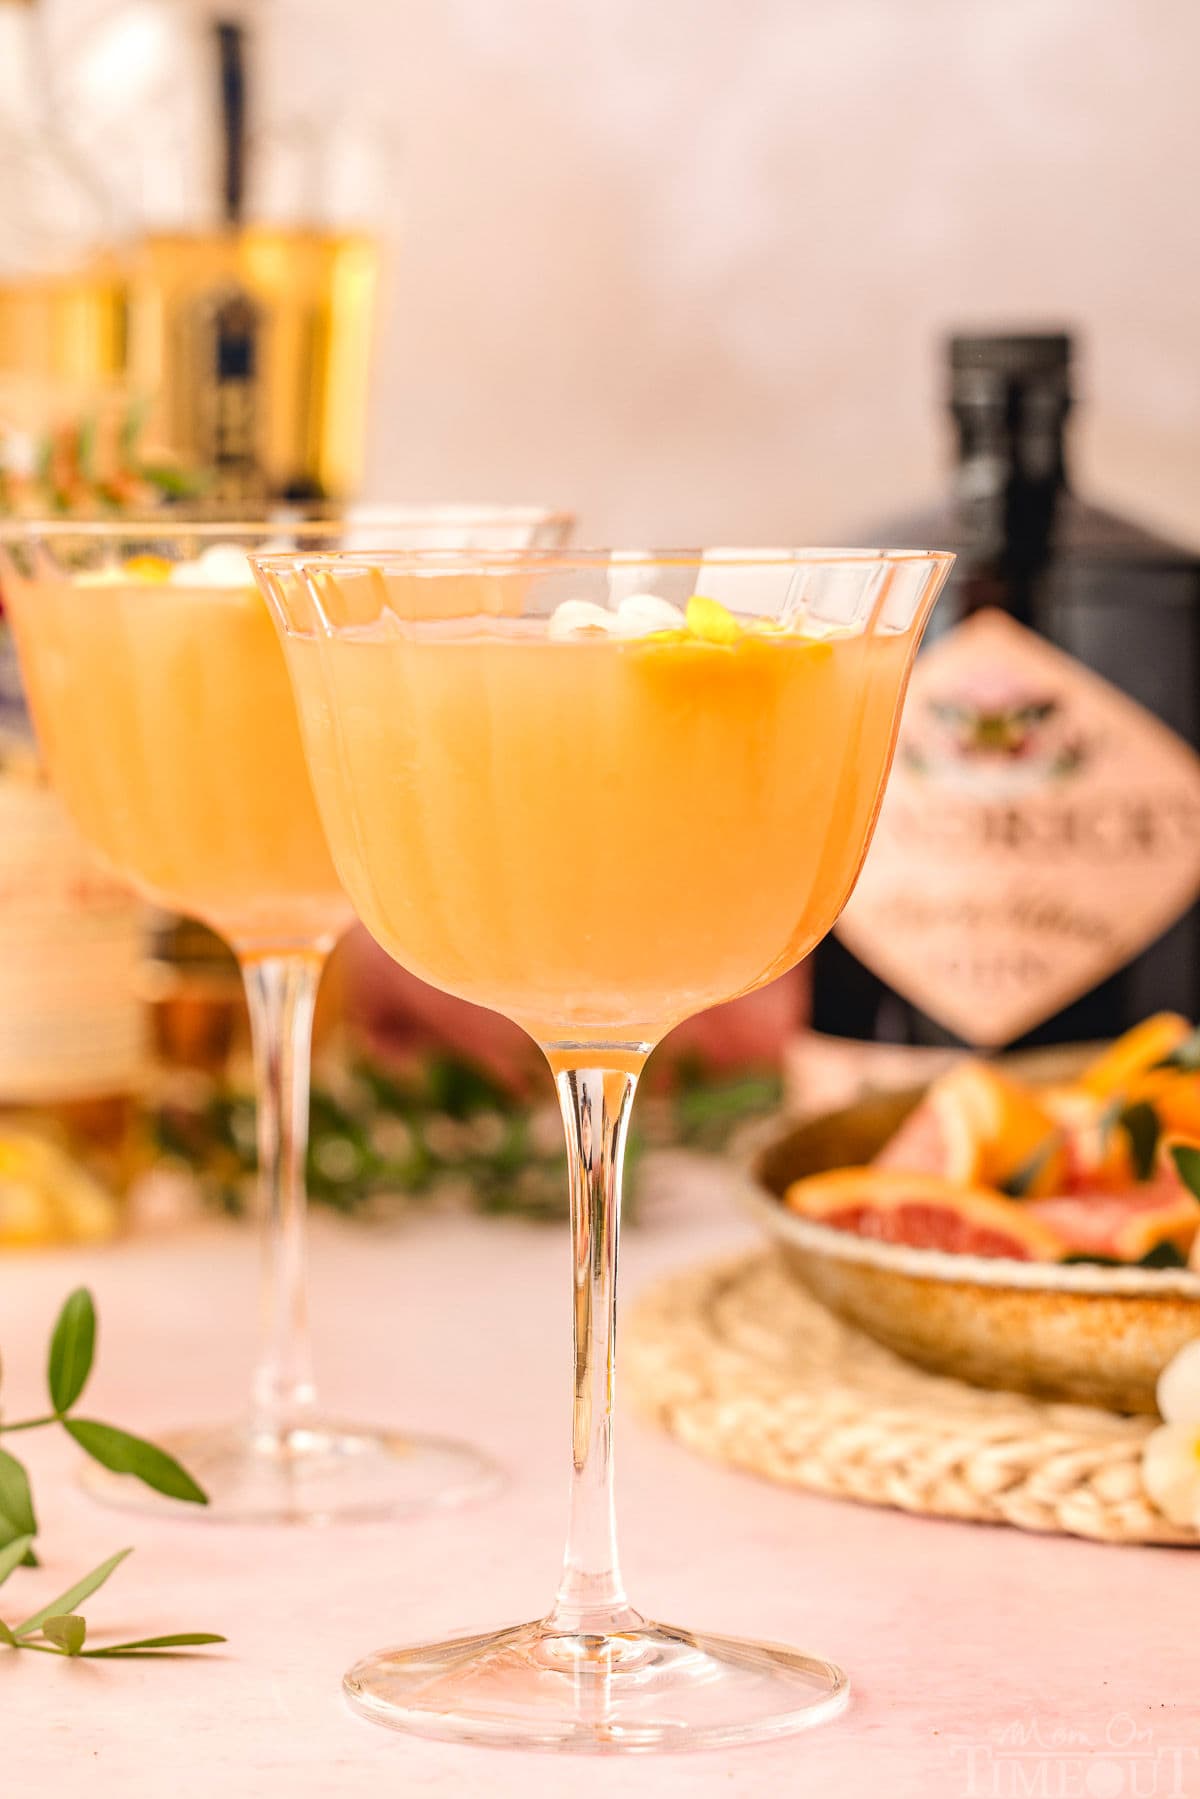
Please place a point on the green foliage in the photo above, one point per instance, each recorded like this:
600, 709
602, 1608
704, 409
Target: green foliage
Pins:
445, 1131
127, 1454
71, 1350
56, 1628
1187, 1161
1141, 1125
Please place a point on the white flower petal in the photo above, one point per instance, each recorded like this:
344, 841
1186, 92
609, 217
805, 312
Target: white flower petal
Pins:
640, 613
1179, 1385
218, 565
1171, 1471
580, 615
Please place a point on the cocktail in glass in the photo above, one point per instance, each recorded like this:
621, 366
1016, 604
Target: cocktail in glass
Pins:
599, 793
165, 714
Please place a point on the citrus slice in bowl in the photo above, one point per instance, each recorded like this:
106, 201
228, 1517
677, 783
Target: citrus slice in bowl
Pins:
1123, 1227
1177, 1104
933, 1139
1134, 1054
925, 1211
978, 1127
1099, 1157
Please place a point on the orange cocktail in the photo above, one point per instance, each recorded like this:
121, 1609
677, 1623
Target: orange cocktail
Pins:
162, 700
168, 724
599, 793
597, 836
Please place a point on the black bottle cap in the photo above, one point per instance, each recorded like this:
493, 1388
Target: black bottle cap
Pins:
1014, 355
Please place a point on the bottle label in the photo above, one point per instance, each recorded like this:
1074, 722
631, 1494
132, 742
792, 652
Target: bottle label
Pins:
1039, 831
220, 342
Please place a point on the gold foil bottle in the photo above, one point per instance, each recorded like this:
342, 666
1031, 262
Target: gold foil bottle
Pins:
254, 335
72, 1026
62, 296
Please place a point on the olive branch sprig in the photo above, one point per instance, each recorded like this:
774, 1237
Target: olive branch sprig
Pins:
57, 1628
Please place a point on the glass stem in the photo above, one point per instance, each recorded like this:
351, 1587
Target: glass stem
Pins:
282, 991
595, 1106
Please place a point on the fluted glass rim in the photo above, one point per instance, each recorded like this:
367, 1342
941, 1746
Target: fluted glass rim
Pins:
303, 523
538, 559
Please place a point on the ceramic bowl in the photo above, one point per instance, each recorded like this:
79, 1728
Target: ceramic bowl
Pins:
1078, 1332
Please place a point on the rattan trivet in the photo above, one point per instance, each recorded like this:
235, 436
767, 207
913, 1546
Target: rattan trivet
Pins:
741, 1364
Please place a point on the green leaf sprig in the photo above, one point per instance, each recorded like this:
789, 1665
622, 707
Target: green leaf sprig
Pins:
72, 1350
1141, 1125
1140, 1122
1186, 1158
57, 1628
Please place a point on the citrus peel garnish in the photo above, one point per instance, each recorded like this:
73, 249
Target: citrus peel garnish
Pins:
1134, 1054
710, 621
648, 620
147, 568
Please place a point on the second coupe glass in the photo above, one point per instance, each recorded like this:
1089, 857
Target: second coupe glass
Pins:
162, 703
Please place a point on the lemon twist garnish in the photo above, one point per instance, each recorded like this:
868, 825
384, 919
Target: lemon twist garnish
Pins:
710, 621
148, 568
710, 624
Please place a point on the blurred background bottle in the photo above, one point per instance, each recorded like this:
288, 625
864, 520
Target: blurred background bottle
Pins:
187, 294
62, 293
172, 232
1037, 864
251, 304
71, 1025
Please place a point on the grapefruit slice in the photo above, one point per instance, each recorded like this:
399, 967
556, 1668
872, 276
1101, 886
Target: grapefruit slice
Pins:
1098, 1156
1123, 1227
934, 1139
925, 1211
1099, 1149
980, 1128
1015, 1133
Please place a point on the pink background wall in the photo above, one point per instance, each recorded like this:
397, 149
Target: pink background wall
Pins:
685, 263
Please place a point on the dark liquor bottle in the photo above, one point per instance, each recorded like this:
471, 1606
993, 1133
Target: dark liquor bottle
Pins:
1035, 872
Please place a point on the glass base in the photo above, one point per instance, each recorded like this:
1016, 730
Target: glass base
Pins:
314, 1474
651, 1687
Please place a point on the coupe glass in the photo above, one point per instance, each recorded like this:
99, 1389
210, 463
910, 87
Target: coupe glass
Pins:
162, 704
599, 793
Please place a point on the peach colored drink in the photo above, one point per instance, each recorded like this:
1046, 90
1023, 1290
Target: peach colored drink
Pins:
597, 837
598, 793
169, 728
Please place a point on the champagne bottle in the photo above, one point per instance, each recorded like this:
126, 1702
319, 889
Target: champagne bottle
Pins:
251, 311
1035, 872
72, 1041
61, 288
72, 1019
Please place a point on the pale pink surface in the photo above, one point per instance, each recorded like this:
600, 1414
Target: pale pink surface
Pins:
952, 1633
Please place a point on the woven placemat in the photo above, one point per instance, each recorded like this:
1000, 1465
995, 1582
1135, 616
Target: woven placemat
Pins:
741, 1364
